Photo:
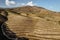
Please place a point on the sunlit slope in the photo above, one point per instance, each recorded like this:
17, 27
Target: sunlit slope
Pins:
34, 23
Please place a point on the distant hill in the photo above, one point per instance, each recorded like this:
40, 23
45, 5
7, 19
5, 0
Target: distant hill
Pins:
38, 11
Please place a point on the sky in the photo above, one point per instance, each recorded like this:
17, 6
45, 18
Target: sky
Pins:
53, 5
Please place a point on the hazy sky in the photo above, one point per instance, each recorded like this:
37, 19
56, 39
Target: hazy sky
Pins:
48, 4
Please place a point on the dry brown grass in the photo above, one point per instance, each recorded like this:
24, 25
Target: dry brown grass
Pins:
35, 23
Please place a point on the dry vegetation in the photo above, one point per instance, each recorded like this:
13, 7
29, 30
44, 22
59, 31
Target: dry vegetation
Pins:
34, 22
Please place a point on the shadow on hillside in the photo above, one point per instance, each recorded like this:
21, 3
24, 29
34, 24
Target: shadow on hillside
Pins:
11, 35
5, 32
2, 20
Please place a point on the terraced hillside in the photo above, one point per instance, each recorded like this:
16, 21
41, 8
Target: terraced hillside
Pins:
35, 23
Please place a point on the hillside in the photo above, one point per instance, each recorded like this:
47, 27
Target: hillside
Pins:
35, 23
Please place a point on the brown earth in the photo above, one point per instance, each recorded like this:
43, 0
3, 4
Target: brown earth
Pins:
35, 23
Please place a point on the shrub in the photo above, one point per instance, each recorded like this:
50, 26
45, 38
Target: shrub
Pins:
59, 22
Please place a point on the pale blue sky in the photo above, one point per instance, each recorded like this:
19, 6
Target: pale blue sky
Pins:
48, 4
